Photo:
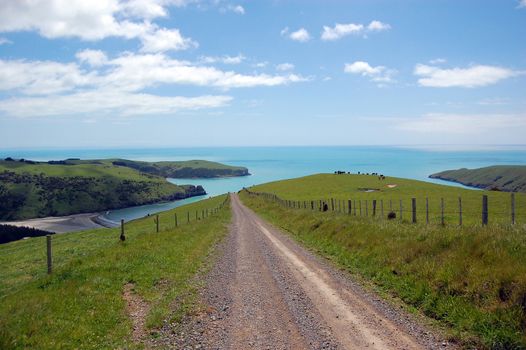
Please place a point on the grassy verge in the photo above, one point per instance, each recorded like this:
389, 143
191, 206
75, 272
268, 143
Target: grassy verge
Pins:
80, 305
472, 279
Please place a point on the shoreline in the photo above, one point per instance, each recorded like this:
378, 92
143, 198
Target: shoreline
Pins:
63, 224
473, 187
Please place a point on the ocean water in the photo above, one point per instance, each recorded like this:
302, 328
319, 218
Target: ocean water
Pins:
275, 163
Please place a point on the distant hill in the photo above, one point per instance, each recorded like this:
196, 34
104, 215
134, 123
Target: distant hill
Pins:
509, 178
184, 169
30, 189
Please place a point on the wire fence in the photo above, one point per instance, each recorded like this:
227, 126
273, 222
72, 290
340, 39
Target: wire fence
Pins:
443, 211
160, 223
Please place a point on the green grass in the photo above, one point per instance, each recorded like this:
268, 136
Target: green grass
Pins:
173, 169
471, 280
39, 190
80, 305
345, 187
502, 177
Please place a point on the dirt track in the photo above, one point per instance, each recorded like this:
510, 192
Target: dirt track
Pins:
267, 292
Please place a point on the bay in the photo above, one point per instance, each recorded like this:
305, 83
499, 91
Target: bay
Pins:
276, 163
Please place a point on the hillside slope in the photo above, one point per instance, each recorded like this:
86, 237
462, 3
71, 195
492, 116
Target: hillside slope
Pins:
93, 270
509, 178
30, 189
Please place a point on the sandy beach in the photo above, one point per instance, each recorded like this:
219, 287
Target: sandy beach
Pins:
70, 223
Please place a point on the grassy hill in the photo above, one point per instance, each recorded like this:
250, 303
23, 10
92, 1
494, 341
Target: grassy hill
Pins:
184, 169
392, 190
81, 304
510, 178
29, 189
469, 280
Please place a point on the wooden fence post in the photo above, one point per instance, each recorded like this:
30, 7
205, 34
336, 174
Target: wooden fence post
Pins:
513, 208
122, 237
413, 210
460, 211
188, 216
354, 206
484, 210
360, 202
374, 207
349, 204
157, 222
49, 259
401, 210
332, 204
442, 220
382, 207
427, 210
175, 217
366, 207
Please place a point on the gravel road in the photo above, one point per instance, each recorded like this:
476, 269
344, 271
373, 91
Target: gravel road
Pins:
267, 292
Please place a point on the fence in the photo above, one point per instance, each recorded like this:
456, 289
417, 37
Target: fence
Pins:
413, 210
157, 227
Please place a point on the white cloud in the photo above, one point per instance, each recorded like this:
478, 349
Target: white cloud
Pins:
130, 72
116, 84
107, 102
95, 20
377, 26
522, 3
341, 30
378, 74
141, 71
433, 123
474, 76
162, 39
94, 58
301, 35
4, 41
240, 10
285, 66
222, 59
42, 77
437, 61
260, 64
237, 9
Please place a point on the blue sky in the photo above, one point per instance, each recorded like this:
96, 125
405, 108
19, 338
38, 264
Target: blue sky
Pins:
161, 73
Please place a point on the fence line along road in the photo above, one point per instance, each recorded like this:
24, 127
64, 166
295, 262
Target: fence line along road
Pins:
122, 237
457, 213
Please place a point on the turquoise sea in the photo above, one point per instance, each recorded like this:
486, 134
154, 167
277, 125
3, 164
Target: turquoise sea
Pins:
275, 163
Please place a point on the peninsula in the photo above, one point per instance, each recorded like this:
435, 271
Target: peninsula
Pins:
509, 178
30, 189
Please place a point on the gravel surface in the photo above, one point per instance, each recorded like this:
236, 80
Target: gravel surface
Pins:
267, 292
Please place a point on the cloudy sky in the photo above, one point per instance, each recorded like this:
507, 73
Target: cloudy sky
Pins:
161, 73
